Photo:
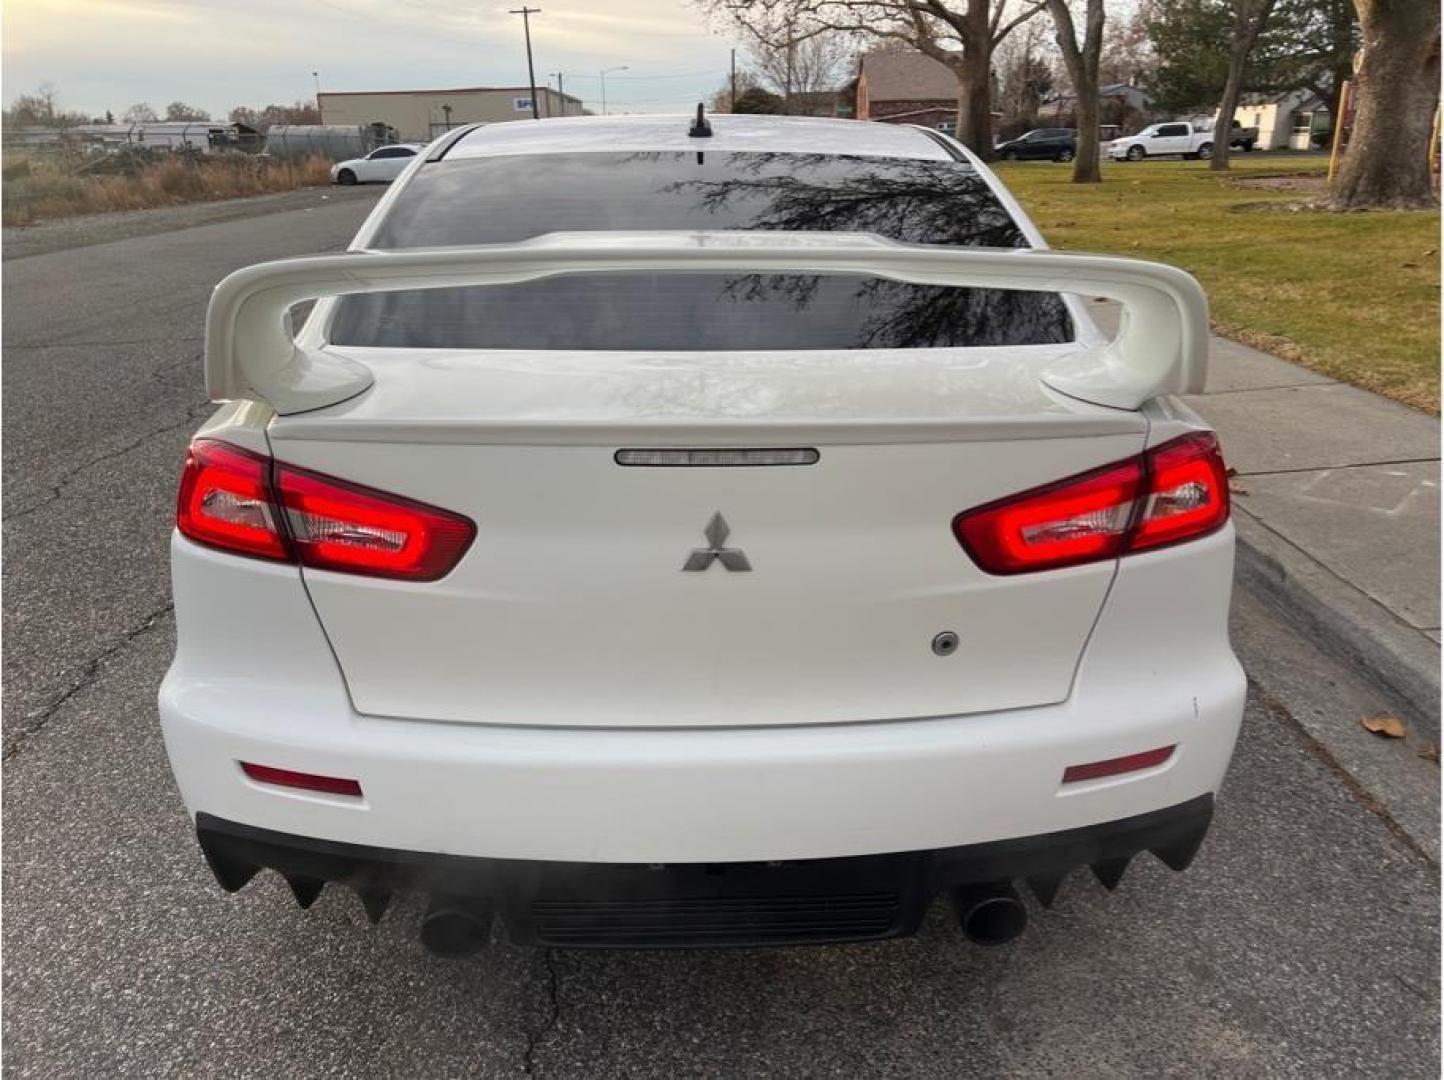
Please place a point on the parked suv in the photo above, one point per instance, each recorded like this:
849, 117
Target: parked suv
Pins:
1050, 144
673, 534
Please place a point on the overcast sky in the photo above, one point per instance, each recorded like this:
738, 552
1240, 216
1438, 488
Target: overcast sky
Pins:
109, 54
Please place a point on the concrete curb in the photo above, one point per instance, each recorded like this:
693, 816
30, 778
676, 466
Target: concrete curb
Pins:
1344, 619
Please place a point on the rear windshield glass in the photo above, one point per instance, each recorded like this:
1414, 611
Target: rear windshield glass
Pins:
513, 198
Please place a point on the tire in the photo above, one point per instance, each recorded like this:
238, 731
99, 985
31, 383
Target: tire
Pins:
1010, 155
1064, 155
1136, 153
346, 176
1248, 148
1205, 151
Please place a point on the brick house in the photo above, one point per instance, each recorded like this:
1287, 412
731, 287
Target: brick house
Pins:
906, 88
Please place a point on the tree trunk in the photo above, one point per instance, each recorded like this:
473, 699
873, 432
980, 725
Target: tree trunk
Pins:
1397, 88
1082, 65
1249, 18
1085, 163
975, 102
1223, 120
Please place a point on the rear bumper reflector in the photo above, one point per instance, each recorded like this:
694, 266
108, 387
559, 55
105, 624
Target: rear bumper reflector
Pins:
808, 901
330, 785
1096, 770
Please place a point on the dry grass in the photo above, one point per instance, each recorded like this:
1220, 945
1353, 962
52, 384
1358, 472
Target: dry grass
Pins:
36, 190
1353, 295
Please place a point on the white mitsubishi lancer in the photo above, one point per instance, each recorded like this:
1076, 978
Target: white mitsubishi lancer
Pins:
678, 532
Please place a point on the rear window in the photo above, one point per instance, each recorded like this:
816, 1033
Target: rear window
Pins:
513, 198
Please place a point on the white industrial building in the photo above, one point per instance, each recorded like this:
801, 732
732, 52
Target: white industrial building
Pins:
422, 115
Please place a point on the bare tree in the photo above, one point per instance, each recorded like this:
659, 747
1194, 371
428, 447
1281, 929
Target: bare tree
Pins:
300, 112
1397, 83
179, 110
800, 62
1024, 78
1127, 55
960, 34
1081, 60
140, 113
41, 108
1249, 17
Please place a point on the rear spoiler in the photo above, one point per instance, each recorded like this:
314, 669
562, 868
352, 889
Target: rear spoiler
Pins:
1161, 348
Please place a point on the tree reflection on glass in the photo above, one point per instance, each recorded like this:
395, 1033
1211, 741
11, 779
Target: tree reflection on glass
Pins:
513, 198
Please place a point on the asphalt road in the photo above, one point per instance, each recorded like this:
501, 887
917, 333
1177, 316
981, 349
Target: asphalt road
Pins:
1303, 942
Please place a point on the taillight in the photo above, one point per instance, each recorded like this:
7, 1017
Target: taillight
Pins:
336, 525
1174, 492
225, 501
1187, 492
242, 502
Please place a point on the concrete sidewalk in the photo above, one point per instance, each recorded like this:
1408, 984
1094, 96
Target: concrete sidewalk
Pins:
1337, 509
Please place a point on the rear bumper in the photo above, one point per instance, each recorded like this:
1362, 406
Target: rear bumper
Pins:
628, 905
1157, 672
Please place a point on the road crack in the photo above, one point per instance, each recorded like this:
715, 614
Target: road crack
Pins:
535, 1038
89, 674
57, 490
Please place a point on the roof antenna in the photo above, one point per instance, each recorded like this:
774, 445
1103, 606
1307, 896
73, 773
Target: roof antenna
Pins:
700, 129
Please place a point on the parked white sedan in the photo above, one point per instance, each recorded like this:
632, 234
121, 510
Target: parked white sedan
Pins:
663, 535
382, 165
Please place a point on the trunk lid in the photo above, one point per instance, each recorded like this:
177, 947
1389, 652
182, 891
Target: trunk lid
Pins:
572, 606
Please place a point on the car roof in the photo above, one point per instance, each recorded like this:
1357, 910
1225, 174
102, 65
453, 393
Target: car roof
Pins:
755, 134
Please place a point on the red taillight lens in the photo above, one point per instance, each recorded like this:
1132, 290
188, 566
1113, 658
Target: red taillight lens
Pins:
335, 525
1078, 520
1187, 492
242, 502
1174, 492
1096, 770
225, 501
331, 785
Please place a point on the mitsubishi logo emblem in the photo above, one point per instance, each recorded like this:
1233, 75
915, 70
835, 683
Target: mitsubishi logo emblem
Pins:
716, 534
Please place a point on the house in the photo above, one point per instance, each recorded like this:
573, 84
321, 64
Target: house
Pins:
1286, 121
905, 88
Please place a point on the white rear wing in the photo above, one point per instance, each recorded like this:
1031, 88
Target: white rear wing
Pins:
1161, 347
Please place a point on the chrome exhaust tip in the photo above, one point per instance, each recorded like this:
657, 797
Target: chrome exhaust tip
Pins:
455, 926
990, 914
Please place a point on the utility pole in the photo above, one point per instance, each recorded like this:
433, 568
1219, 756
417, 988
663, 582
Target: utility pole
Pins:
561, 90
316, 75
526, 13
732, 104
605, 73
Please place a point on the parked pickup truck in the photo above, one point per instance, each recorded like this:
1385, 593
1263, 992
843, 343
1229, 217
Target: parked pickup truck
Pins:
1177, 137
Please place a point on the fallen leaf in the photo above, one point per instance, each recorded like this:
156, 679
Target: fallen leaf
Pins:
1230, 472
1410, 266
1390, 727
1430, 753
1237, 490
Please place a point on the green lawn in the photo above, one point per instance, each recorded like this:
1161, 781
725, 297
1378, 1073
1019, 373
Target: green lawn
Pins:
1355, 296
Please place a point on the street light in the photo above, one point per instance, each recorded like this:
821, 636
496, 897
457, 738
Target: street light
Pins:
561, 90
605, 73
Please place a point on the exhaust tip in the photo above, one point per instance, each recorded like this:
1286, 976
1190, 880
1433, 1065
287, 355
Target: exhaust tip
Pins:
991, 914
455, 927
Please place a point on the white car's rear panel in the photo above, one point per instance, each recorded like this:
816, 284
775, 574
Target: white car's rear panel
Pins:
572, 608
835, 676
